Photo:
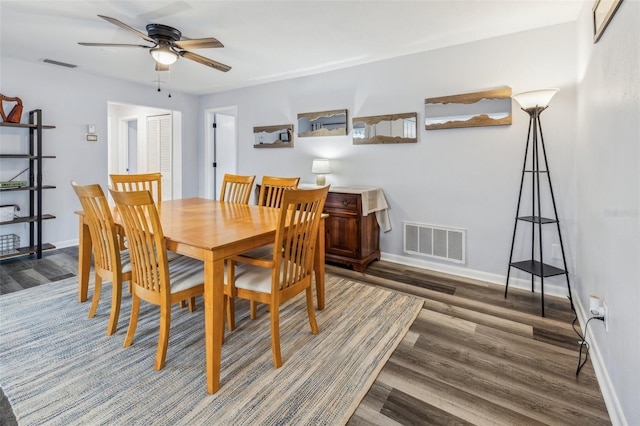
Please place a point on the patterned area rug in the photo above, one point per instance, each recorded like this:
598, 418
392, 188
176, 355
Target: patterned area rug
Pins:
59, 367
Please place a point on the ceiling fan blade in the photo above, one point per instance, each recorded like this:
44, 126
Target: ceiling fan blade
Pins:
205, 61
161, 67
128, 28
114, 45
199, 43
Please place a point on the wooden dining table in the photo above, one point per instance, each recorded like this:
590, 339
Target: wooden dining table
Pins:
211, 231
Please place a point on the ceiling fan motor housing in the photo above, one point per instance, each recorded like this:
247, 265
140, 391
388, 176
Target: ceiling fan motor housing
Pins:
163, 32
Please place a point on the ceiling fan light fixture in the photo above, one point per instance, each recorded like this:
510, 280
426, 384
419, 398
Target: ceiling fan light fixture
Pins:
164, 54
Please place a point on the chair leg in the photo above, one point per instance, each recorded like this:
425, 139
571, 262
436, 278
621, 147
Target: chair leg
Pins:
163, 337
97, 289
253, 309
231, 313
116, 301
311, 311
275, 336
133, 321
192, 304
183, 304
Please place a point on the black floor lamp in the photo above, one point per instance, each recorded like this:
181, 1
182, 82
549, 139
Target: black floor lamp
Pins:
533, 103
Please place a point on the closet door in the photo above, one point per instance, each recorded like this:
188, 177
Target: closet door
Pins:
159, 149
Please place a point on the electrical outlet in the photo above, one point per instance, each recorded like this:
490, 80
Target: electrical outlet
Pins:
606, 315
556, 253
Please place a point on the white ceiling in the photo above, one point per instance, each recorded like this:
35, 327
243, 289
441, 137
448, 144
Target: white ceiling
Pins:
264, 40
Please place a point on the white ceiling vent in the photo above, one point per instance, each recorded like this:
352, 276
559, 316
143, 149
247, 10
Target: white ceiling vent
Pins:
435, 241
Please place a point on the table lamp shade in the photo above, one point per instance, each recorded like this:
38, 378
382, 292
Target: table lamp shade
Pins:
321, 167
535, 98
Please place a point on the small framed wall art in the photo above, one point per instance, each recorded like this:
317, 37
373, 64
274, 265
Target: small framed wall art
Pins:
391, 128
603, 11
324, 123
280, 136
485, 108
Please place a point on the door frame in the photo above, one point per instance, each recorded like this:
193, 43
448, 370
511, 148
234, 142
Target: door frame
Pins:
209, 119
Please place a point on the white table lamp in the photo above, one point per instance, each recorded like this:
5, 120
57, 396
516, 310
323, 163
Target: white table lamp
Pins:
321, 167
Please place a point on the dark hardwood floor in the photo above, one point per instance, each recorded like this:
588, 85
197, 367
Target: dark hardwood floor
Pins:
471, 357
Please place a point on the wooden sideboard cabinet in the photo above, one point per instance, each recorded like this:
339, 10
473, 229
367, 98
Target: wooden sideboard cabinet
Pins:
351, 238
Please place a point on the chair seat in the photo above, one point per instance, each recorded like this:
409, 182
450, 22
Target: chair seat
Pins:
125, 261
172, 255
185, 273
264, 252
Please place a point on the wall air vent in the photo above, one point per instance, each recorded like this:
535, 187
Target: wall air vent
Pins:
58, 63
435, 241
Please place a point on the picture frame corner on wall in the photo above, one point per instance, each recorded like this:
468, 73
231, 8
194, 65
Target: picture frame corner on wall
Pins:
602, 12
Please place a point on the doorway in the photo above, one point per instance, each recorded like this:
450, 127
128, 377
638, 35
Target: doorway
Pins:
221, 148
130, 150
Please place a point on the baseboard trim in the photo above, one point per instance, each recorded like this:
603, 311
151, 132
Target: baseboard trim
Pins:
550, 288
616, 414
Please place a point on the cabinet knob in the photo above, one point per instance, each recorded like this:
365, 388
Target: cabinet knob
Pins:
345, 203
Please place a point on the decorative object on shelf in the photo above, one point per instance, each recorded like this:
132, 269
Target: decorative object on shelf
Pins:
15, 114
9, 244
392, 128
325, 123
486, 108
8, 212
321, 167
603, 11
280, 136
533, 103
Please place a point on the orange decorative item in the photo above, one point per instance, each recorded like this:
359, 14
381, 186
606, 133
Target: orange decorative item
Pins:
16, 112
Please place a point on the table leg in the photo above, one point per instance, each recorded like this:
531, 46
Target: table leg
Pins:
319, 265
84, 260
213, 318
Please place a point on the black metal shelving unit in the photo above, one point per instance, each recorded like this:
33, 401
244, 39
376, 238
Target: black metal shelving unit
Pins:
34, 187
533, 266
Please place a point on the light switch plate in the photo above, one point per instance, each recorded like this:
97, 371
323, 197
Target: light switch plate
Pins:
91, 128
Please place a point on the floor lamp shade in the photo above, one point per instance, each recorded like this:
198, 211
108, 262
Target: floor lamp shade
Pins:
321, 167
535, 99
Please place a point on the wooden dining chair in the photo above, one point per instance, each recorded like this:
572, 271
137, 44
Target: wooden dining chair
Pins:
155, 279
139, 182
271, 191
110, 263
290, 271
236, 188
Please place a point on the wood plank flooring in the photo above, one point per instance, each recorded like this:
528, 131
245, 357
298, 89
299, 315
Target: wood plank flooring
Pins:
471, 357
474, 357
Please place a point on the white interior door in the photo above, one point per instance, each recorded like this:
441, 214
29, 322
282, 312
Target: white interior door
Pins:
221, 148
159, 150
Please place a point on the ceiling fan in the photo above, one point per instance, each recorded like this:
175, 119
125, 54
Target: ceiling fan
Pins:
168, 45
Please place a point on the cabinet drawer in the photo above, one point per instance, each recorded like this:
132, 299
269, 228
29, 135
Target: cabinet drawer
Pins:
342, 202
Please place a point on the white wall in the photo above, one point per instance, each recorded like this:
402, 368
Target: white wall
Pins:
464, 178
608, 200
71, 99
